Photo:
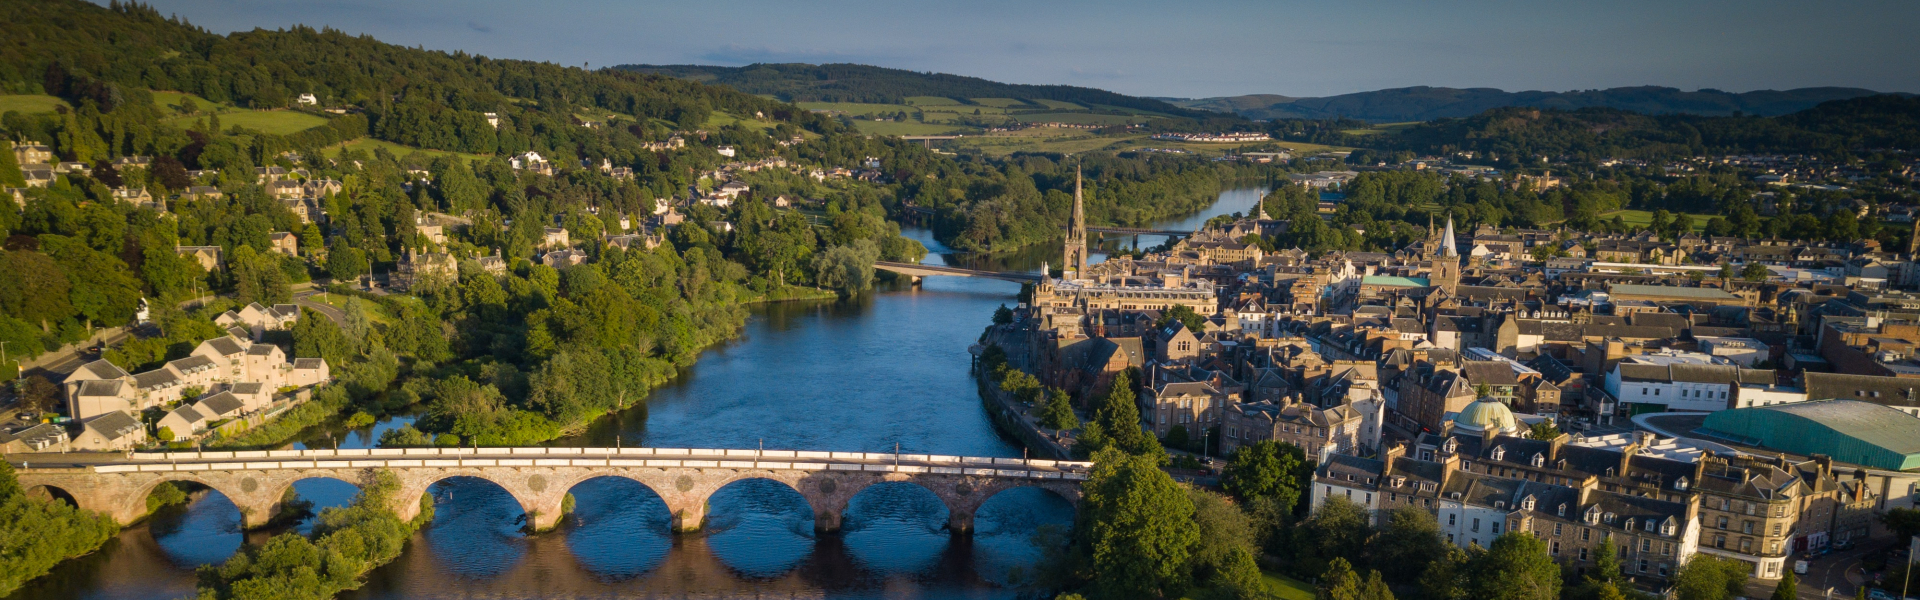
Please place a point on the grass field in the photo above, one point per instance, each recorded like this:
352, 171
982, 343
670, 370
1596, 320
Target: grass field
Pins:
375, 311
1642, 218
1075, 140
857, 108
29, 103
905, 128
171, 101
1381, 128
721, 119
1002, 102
279, 122
369, 144
932, 101
1059, 105
1278, 585
1077, 117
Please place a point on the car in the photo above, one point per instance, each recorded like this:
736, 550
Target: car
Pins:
27, 416
1843, 545
1879, 594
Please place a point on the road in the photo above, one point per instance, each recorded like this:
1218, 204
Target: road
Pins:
334, 314
1839, 571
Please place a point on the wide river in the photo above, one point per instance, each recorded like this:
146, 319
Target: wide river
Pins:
882, 371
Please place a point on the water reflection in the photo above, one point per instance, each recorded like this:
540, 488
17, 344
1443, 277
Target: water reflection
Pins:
894, 528
478, 528
321, 493
759, 528
619, 529
206, 531
1014, 530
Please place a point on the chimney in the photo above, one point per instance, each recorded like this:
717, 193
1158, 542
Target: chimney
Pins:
1389, 454
1586, 486
1554, 445
1700, 466
1825, 464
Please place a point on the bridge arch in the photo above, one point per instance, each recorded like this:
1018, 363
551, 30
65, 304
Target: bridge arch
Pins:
415, 483
283, 490
52, 492
133, 507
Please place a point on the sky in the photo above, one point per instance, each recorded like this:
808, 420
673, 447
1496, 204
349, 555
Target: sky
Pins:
1179, 48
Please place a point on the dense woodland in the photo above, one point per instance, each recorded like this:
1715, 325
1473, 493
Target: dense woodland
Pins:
795, 82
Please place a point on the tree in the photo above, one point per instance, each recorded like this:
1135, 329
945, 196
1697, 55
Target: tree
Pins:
1787, 588
1904, 522
1002, 315
1754, 272
1543, 431
345, 263
1140, 528
1708, 577
1375, 588
1117, 423
1445, 577
1410, 541
1223, 531
1339, 582
1184, 314
1058, 413
1336, 529
1514, 567
1266, 469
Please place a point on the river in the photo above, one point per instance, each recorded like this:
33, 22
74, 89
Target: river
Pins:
884, 371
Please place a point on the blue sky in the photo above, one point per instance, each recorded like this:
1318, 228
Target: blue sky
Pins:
1191, 49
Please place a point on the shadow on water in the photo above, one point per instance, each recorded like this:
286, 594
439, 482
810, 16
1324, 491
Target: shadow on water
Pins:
619, 529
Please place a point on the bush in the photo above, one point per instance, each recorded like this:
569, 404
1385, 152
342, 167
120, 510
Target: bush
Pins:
36, 534
347, 542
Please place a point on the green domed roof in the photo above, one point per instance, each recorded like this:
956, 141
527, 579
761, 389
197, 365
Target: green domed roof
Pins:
1486, 413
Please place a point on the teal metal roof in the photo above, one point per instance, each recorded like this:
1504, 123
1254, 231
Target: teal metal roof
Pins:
1394, 281
1851, 431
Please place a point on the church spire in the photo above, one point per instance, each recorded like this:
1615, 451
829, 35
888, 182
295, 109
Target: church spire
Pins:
1076, 246
1448, 244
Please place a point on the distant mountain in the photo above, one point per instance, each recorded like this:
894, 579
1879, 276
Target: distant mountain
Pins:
799, 82
1428, 103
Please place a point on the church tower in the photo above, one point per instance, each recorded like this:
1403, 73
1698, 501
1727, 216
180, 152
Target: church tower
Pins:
1443, 266
1076, 247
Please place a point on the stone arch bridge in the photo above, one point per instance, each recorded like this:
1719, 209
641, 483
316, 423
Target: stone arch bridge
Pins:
540, 478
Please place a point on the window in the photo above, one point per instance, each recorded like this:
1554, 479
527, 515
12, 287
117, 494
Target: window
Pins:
1746, 527
1719, 541
1476, 526
1646, 545
1585, 535
1450, 519
1583, 554
1496, 528
1722, 523
1555, 548
1643, 565
1667, 550
1776, 529
1556, 530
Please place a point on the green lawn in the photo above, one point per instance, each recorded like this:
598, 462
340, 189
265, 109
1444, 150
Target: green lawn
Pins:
375, 311
904, 128
279, 122
369, 144
1381, 128
721, 119
29, 103
1280, 586
1641, 218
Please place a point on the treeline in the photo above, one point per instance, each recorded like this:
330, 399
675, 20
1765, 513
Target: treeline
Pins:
1515, 137
107, 56
38, 533
795, 82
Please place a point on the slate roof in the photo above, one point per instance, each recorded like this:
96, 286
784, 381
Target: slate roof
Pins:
99, 369
155, 379
114, 425
103, 387
221, 404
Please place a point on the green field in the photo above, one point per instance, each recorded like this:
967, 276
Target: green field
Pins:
1077, 118
1078, 140
905, 128
1642, 218
932, 101
721, 119
369, 145
29, 103
1280, 586
1380, 128
279, 122
1059, 105
1002, 102
171, 101
857, 108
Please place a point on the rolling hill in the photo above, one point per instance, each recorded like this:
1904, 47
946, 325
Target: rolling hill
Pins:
797, 82
1427, 103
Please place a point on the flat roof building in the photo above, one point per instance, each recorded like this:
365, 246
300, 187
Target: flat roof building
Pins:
1861, 433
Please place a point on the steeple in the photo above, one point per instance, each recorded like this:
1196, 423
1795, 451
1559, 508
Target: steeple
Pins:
1447, 243
1076, 246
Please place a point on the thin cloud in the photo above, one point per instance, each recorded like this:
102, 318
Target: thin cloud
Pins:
478, 27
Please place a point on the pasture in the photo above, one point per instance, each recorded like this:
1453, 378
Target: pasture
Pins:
29, 103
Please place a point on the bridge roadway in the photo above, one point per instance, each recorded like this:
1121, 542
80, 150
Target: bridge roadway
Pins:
117, 484
918, 270
1134, 231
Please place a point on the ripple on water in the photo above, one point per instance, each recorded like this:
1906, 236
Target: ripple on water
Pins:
477, 528
619, 529
759, 528
1009, 530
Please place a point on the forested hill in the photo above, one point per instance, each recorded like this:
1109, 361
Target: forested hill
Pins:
112, 55
1507, 134
1427, 103
796, 82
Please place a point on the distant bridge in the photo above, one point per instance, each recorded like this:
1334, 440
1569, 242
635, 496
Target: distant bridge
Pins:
928, 140
539, 478
1134, 231
918, 270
